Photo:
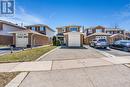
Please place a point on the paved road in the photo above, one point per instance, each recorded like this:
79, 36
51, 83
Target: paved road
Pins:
107, 76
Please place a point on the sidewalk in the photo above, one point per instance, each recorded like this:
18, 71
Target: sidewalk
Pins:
64, 64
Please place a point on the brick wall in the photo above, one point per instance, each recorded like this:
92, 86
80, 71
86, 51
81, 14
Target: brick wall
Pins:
6, 40
38, 40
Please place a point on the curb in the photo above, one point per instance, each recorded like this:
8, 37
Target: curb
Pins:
19, 78
46, 54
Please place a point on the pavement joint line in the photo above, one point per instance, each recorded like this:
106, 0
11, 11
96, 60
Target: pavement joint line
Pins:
46, 54
11, 83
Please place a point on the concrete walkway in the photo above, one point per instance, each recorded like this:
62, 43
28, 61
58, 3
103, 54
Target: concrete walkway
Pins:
62, 64
63, 68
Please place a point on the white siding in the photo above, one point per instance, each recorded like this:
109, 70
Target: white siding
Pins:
49, 33
7, 29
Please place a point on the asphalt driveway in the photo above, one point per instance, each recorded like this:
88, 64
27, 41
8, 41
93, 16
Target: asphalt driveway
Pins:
72, 53
116, 52
106, 76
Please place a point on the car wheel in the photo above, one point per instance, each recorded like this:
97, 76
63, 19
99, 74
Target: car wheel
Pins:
125, 49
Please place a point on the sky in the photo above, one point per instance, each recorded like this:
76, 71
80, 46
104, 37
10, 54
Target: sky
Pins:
86, 13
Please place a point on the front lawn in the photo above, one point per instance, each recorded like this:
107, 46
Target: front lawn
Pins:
27, 55
5, 78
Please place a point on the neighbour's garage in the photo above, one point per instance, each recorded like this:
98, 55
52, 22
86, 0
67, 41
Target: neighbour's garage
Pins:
73, 39
88, 39
116, 37
29, 38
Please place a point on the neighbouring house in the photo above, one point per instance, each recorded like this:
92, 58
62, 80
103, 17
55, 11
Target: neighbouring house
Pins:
99, 32
127, 34
13, 34
70, 35
43, 29
5, 27
28, 38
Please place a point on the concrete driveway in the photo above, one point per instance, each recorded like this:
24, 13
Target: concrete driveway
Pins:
72, 53
116, 52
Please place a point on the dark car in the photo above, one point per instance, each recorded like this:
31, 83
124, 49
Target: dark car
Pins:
121, 45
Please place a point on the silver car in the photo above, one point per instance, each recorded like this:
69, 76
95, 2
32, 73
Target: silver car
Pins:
100, 43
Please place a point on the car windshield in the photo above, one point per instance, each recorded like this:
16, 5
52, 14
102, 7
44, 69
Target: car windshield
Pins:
126, 42
102, 40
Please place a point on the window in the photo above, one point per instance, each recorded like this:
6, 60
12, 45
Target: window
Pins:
33, 28
73, 29
42, 28
90, 31
98, 30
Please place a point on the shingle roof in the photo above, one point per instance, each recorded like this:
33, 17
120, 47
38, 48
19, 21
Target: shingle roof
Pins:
28, 31
99, 34
11, 24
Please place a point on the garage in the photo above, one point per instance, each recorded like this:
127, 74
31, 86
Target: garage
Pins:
74, 39
28, 38
21, 40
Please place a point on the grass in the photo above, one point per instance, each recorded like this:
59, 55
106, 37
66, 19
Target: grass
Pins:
5, 78
27, 55
3, 45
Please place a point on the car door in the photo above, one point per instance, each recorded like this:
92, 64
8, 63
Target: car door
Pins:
117, 45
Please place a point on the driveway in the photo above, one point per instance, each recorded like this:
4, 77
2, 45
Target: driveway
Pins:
116, 52
106, 76
72, 53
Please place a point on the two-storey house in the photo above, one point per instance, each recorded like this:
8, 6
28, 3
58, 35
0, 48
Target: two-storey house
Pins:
70, 35
43, 29
99, 32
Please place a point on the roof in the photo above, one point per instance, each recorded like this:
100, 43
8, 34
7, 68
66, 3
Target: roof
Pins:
40, 25
99, 34
118, 35
28, 31
11, 24
114, 29
99, 27
68, 26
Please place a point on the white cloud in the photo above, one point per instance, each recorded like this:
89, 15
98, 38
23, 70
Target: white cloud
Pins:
24, 17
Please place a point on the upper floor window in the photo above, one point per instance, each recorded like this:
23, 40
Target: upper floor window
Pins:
73, 29
90, 31
33, 28
98, 30
42, 28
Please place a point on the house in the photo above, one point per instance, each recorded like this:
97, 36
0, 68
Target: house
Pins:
28, 38
70, 35
13, 34
127, 34
99, 32
5, 27
43, 29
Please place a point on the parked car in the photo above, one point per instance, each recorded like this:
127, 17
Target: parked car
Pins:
100, 43
121, 45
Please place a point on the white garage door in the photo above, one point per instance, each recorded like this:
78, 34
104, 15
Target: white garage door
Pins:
21, 39
74, 39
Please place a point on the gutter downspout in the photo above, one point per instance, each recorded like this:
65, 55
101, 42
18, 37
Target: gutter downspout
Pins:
32, 40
